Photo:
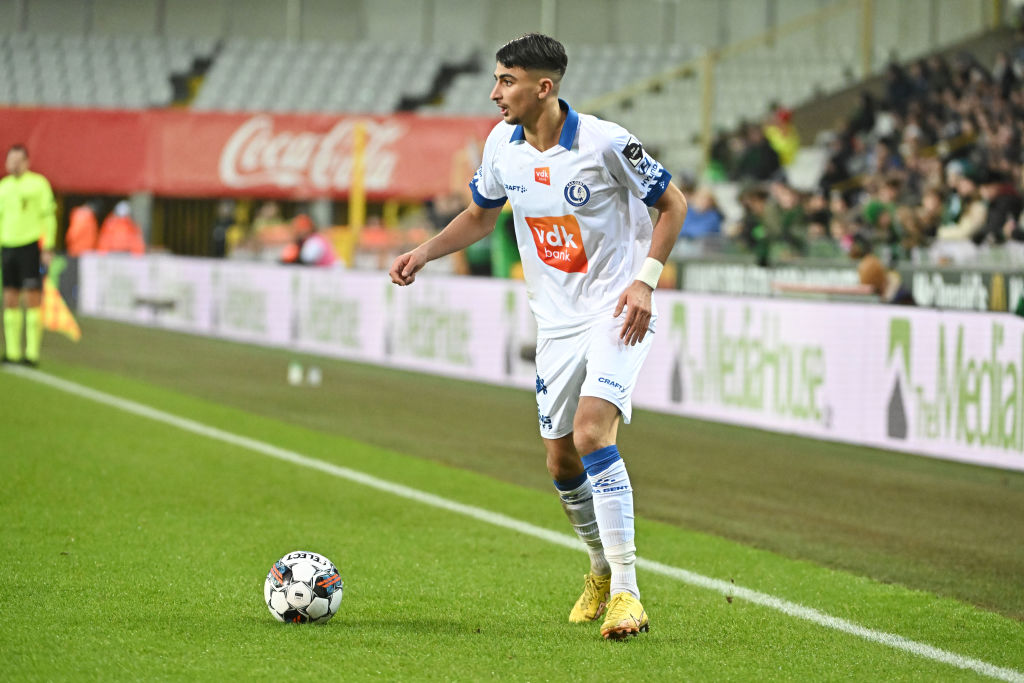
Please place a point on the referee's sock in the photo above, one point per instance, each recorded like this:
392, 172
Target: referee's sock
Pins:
13, 322
33, 333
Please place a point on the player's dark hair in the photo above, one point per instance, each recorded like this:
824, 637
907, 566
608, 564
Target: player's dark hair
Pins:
534, 51
18, 147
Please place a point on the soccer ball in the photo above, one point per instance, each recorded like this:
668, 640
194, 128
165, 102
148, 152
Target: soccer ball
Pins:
303, 587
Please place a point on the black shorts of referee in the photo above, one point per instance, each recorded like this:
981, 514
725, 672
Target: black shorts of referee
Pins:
22, 267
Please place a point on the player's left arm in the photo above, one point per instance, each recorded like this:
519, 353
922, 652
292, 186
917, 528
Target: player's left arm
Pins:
636, 300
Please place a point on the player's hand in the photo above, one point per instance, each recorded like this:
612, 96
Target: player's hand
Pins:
636, 301
404, 269
46, 257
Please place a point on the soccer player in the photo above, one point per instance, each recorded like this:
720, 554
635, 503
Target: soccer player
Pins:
27, 216
579, 189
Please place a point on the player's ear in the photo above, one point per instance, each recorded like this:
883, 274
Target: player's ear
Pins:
545, 87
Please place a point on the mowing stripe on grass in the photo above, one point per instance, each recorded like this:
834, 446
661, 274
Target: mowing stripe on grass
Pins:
724, 587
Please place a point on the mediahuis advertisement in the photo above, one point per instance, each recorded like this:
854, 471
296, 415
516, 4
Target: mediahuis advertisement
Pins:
943, 383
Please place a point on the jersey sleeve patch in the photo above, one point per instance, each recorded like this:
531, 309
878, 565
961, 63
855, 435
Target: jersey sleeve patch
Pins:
633, 151
632, 166
478, 198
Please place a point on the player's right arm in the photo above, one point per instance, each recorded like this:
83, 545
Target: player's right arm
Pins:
470, 226
473, 224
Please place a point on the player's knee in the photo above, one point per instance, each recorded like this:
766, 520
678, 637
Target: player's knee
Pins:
589, 437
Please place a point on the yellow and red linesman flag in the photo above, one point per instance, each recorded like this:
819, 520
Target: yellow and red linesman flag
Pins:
56, 314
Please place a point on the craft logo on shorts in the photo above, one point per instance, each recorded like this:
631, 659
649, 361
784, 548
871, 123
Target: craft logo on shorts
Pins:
542, 175
576, 193
559, 242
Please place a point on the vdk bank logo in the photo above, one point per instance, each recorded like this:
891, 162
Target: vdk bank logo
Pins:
970, 392
559, 242
746, 362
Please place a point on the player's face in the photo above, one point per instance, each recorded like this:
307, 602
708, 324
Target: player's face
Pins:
17, 162
516, 93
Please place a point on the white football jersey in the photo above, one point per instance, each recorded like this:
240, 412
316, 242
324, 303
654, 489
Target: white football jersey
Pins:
580, 211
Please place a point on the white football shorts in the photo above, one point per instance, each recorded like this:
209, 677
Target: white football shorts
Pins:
594, 362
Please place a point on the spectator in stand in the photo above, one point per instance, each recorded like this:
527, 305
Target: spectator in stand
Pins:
268, 216
720, 161
751, 233
758, 161
971, 216
880, 215
270, 230
836, 172
939, 77
785, 222
884, 284
223, 228
782, 134
310, 247
119, 233
863, 119
1003, 206
83, 230
703, 218
820, 240
844, 231
899, 90
929, 213
1005, 74
882, 160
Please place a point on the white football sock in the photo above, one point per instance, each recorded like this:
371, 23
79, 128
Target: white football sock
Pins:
613, 507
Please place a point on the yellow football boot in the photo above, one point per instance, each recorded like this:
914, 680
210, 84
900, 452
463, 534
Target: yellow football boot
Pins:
625, 617
595, 596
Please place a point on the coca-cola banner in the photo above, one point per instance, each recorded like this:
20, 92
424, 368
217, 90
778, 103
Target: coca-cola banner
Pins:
82, 151
207, 154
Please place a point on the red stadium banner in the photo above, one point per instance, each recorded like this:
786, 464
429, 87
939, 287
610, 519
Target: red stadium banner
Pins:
206, 154
100, 152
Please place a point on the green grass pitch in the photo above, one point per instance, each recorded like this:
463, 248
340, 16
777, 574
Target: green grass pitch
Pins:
134, 549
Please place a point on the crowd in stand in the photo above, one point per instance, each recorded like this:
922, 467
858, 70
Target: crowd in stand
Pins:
937, 157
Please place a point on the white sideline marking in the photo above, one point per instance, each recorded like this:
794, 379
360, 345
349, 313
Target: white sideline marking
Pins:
717, 585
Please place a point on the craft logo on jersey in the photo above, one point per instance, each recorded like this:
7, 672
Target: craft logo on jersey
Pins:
576, 193
559, 242
542, 175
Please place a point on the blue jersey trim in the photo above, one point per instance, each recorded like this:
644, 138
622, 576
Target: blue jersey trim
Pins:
569, 128
601, 459
664, 178
485, 202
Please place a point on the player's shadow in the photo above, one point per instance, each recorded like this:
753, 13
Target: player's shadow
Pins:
409, 625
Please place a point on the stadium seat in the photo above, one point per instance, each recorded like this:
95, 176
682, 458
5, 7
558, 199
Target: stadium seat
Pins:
94, 70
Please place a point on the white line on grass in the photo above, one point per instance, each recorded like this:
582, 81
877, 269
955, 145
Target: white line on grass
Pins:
724, 587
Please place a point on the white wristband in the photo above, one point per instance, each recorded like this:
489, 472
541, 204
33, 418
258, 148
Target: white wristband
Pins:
650, 272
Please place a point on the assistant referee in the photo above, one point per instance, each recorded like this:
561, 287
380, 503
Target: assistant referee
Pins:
27, 218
